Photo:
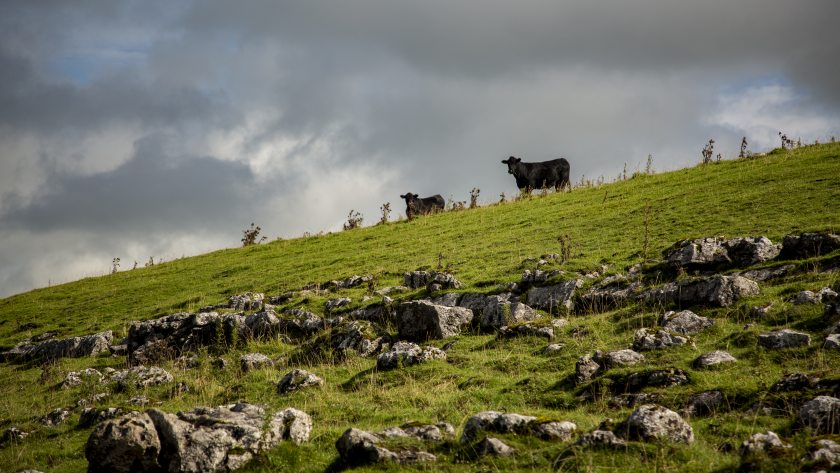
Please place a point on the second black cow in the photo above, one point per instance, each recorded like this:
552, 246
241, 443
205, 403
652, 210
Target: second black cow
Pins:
529, 176
415, 206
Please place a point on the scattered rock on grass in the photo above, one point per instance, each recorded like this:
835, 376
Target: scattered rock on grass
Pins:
601, 438
654, 422
556, 298
647, 339
785, 338
254, 361
684, 322
296, 380
768, 442
493, 446
821, 414
422, 320
713, 359
407, 354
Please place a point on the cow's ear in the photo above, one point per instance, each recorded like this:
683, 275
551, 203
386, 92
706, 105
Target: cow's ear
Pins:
505, 161
403, 196
516, 160
416, 196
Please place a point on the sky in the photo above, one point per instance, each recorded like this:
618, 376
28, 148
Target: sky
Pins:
163, 129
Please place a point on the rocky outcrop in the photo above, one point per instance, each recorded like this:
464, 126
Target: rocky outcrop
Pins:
684, 322
713, 252
554, 299
165, 338
421, 320
296, 380
139, 377
785, 338
432, 281
496, 311
74, 347
407, 354
661, 378
609, 294
824, 451
717, 291
497, 422
653, 423
808, 245
203, 440
247, 301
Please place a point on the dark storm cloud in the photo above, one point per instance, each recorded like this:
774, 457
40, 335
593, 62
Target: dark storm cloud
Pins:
152, 192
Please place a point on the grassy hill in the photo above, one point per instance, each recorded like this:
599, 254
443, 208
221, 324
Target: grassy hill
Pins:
605, 228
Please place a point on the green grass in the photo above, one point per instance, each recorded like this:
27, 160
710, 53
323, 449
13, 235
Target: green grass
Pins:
784, 192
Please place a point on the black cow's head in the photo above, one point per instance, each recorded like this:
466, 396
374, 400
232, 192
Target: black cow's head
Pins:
409, 197
511, 162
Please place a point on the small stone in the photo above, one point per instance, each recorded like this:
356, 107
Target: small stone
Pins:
826, 451
493, 446
619, 358
832, 341
713, 359
139, 400
254, 361
645, 339
601, 438
562, 431
704, 403
762, 442
553, 348
586, 368
296, 380
56, 417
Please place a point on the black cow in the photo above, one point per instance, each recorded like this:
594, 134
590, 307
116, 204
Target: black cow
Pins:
415, 206
531, 176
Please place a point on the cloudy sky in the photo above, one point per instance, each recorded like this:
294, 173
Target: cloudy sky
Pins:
164, 128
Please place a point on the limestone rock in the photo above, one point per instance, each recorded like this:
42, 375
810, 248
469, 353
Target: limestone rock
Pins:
141, 376
491, 421
832, 341
561, 431
704, 403
619, 358
246, 301
785, 338
124, 445
825, 451
76, 378
493, 446
761, 443
167, 337
422, 320
263, 324
357, 447
556, 298
662, 378
808, 245
684, 322
527, 330
646, 339
439, 281
654, 422
717, 291
296, 380
496, 311
821, 414
795, 382
407, 354
74, 347
586, 368
92, 416
601, 438
254, 361
56, 417
713, 359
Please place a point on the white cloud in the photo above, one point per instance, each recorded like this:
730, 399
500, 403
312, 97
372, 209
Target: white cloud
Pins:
761, 112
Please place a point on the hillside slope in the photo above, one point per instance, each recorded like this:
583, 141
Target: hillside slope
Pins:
606, 229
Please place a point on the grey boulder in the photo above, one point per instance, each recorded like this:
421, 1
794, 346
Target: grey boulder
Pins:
407, 354
654, 422
422, 320
821, 414
713, 359
684, 322
785, 338
296, 380
554, 298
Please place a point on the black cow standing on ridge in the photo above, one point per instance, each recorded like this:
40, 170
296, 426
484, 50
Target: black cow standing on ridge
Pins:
531, 176
415, 206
